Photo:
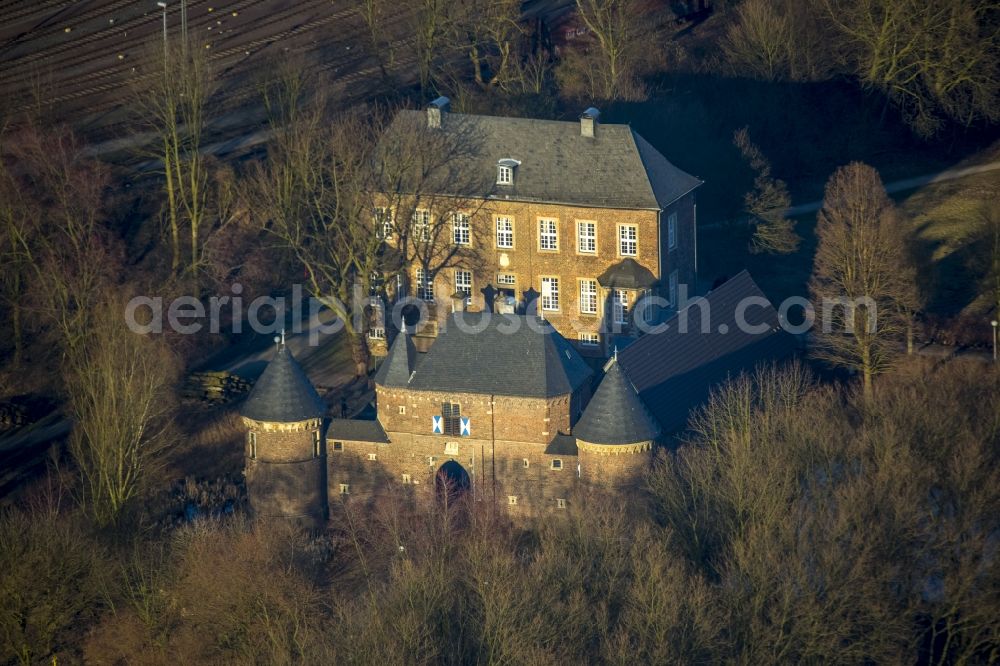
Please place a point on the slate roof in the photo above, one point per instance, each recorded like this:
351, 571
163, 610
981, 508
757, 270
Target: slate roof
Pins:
616, 168
400, 362
283, 393
500, 354
562, 445
356, 430
675, 372
615, 414
627, 274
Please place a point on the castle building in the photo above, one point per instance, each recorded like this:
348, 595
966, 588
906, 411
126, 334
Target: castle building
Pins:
572, 221
501, 407
285, 452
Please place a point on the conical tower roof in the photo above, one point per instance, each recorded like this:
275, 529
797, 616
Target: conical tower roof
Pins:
283, 394
399, 364
616, 414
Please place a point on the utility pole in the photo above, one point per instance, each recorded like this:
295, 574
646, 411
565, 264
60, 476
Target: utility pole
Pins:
163, 6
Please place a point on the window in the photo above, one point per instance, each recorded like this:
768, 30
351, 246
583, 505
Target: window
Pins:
505, 232
588, 296
316, 444
672, 230
619, 304
376, 333
422, 225
672, 289
383, 222
462, 229
589, 339
548, 235
431, 460
402, 409
338, 446
512, 499
345, 489
550, 293
505, 174
253, 445
628, 245
451, 417
463, 284
526, 463
506, 279
407, 479
586, 237
373, 457
425, 285
560, 503
557, 464
451, 449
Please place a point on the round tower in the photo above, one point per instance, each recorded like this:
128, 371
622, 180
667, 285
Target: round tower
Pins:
285, 452
615, 434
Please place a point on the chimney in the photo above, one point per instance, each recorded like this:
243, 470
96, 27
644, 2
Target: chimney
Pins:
588, 122
436, 111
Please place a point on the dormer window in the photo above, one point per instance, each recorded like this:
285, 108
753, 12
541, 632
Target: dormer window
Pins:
505, 171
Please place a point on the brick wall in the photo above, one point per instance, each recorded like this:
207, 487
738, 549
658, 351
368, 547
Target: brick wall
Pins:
284, 475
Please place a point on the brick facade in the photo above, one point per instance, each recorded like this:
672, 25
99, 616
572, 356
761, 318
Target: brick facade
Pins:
286, 469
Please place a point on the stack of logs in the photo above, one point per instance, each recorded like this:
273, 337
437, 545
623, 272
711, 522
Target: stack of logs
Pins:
215, 387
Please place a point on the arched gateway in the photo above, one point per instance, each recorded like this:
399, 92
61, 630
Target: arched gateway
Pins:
451, 480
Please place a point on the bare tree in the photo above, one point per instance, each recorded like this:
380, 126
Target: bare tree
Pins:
18, 230
862, 279
173, 104
120, 387
935, 60
768, 202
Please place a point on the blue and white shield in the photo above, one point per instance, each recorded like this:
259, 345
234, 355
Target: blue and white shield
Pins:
436, 426
466, 428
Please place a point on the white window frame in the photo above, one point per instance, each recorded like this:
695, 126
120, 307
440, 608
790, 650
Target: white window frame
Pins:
505, 174
560, 503
252, 438
345, 489
619, 306
672, 231
372, 457
376, 333
461, 229
588, 296
628, 240
556, 464
407, 479
402, 410
589, 339
338, 447
526, 463
463, 283
382, 217
550, 293
548, 234
422, 225
512, 500
505, 235
586, 243
425, 285
506, 280
317, 444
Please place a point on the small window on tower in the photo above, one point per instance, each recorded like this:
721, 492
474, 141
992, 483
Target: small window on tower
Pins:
407, 479
373, 456
557, 464
316, 445
560, 503
345, 489
512, 499
402, 409
526, 463
253, 445
338, 446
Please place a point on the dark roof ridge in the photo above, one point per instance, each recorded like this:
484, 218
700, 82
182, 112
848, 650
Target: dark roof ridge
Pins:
283, 392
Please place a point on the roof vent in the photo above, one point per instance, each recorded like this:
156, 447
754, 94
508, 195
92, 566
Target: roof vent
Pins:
588, 122
436, 111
